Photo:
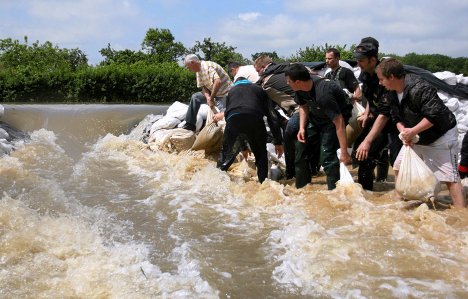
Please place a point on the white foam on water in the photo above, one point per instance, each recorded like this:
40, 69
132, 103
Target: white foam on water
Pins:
45, 256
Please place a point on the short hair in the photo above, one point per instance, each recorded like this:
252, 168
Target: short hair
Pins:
263, 60
190, 58
391, 66
335, 52
233, 65
297, 71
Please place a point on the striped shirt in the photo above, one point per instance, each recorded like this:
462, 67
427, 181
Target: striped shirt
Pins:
209, 72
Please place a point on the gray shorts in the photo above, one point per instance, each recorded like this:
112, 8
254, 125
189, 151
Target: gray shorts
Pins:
441, 156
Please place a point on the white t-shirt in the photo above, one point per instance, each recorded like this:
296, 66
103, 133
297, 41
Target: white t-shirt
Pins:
248, 72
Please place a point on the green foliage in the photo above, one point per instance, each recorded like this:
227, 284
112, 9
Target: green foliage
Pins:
273, 55
44, 72
112, 56
436, 62
40, 57
37, 70
160, 46
317, 53
157, 46
217, 52
139, 82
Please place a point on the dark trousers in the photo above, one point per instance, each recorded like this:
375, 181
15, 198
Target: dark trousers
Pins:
241, 127
196, 101
387, 139
322, 140
289, 140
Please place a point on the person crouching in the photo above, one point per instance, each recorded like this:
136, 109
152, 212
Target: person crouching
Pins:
246, 105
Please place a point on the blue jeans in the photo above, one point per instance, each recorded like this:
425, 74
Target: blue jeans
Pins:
197, 99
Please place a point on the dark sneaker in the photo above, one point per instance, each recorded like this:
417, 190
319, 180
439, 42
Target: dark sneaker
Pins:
189, 126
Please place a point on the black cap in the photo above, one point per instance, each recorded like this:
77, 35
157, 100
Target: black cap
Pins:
364, 50
370, 40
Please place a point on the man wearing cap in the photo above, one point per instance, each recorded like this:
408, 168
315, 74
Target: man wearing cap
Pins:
378, 130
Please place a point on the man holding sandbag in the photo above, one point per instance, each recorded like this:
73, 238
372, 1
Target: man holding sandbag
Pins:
417, 110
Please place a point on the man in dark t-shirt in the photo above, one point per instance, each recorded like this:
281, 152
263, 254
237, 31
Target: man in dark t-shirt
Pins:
322, 124
343, 76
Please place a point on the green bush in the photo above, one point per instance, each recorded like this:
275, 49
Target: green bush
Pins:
140, 82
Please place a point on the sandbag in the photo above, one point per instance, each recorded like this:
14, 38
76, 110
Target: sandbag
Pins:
210, 138
415, 179
353, 130
182, 139
167, 122
345, 175
177, 110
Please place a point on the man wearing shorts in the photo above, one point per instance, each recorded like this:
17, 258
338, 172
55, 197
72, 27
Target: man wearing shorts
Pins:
417, 110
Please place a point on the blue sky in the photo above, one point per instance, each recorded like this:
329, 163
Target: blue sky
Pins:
401, 26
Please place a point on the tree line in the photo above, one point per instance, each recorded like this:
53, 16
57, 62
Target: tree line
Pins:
42, 72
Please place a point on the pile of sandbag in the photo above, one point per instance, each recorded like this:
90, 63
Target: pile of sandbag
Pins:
459, 106
166, 132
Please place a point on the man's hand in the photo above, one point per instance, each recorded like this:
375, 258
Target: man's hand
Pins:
345, 158
363, 150
301, 135
210, 101
363, 119
407, 135
218, 116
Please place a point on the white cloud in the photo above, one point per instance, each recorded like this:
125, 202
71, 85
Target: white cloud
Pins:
249, 17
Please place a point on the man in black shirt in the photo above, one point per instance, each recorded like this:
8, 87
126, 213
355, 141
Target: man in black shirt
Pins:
322, 124
246, 104
343, 76
378, 129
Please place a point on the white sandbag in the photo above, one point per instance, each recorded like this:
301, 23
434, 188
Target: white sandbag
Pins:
203, 111
182, 139
452, 104
443, 96
448, 77
415, 179
275, 173
159, 138
5, 147
463, 80
199, 123
177, 110
461, 128
345, 175
167, 122
3, 134
273, 157
462, 120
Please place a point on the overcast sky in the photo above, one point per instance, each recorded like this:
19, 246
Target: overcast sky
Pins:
401, 26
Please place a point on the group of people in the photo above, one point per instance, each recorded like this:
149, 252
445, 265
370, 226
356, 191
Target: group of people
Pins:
307, 115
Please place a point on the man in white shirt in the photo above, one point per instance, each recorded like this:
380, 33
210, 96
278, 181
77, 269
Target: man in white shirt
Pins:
238, 70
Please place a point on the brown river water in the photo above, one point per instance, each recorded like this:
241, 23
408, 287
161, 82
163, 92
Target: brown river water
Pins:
88, 211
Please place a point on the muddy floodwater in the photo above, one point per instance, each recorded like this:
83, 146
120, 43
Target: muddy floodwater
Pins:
89, 211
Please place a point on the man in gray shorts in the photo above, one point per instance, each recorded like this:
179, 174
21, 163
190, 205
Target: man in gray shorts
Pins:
417, 110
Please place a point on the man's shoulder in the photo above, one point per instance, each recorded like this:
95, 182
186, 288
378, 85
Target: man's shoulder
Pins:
346, 71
